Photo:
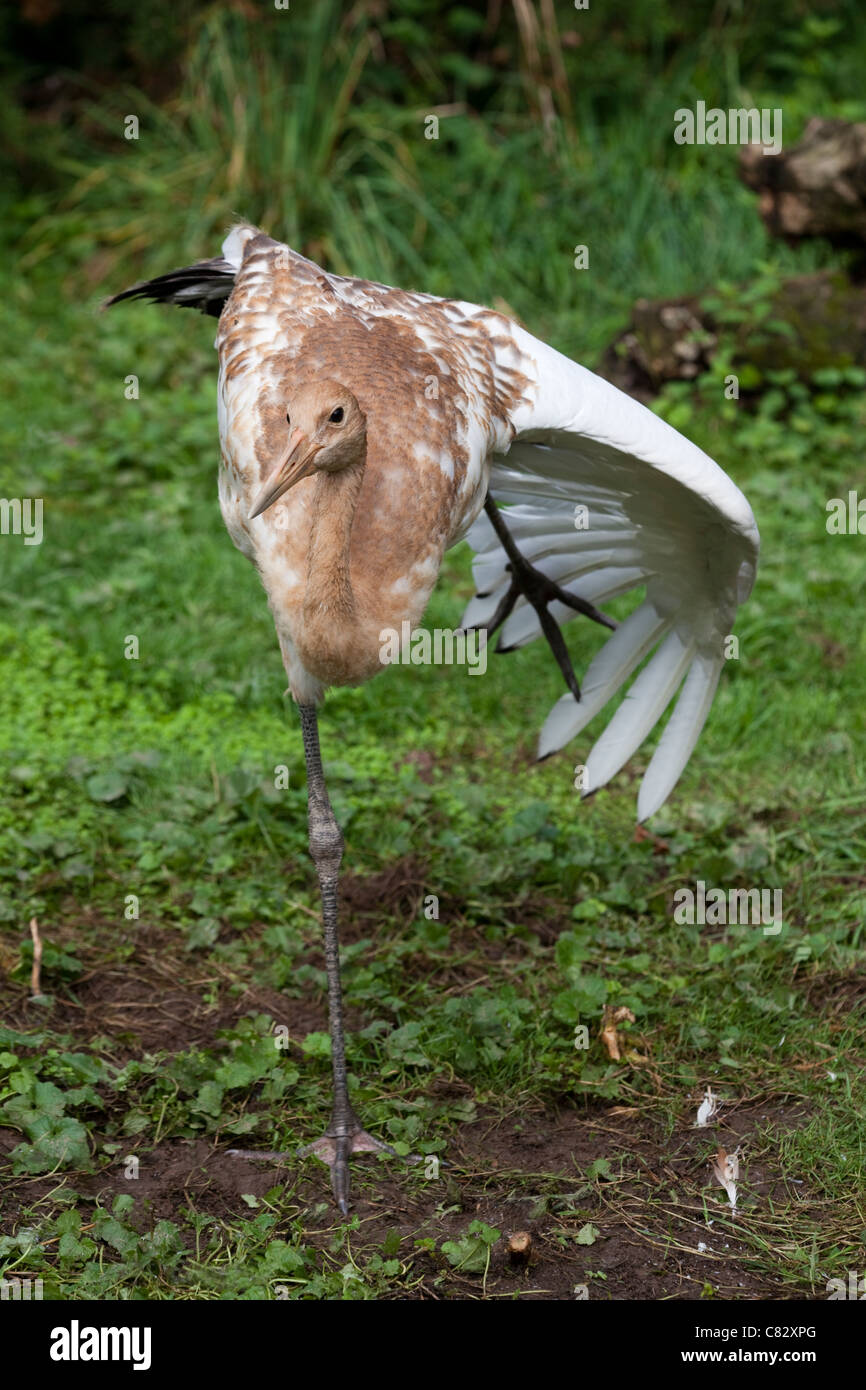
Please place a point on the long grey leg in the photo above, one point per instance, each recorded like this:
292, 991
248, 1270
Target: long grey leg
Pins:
326, 848
345, 1134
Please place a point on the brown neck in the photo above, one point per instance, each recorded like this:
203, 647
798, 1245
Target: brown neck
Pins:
329, 600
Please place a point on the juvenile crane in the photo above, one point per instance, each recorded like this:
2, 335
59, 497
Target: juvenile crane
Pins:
364, 430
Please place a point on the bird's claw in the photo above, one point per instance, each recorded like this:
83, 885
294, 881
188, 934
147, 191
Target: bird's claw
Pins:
334, 1149
538, 590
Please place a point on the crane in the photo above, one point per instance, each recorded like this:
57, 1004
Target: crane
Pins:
366, 429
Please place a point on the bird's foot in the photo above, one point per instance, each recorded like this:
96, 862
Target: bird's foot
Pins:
334, 1149
337, 1144
538, 590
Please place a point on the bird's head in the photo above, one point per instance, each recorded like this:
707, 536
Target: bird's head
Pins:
326, 432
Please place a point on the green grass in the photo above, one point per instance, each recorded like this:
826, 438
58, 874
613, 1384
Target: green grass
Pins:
155, 778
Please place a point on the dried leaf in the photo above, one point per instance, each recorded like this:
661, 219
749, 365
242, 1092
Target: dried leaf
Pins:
726, 1170
608, 1033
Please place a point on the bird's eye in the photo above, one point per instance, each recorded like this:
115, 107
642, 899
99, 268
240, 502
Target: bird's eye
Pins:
288, 418
336, 415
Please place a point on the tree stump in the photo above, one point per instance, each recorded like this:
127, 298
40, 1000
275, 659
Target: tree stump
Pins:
817, 188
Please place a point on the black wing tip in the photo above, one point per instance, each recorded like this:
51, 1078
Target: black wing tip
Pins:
136, 292
215, 278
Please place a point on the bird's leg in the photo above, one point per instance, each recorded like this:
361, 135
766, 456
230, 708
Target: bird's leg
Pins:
345, 1134
538, 590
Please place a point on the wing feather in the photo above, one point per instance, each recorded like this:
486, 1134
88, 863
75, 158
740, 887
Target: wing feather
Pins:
680, 736
605, 497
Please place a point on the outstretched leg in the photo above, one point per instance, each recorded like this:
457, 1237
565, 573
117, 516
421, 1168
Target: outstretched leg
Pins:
538, 590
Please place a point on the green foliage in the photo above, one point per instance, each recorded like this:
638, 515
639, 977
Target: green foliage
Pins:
471, 1253
294, 125
38, 1108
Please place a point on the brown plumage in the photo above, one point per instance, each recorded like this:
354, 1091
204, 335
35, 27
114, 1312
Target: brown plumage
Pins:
435, 403
335, 613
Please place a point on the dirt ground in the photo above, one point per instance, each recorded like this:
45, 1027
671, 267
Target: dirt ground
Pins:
662, 1230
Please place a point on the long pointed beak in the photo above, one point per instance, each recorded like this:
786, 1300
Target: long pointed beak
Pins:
297, 464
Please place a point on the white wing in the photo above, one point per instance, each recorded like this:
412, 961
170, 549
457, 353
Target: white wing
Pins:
660, 514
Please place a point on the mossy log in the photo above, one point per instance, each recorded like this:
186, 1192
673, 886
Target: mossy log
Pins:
807, 323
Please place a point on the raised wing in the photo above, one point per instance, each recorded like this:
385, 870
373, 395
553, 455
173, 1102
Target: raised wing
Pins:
605, 498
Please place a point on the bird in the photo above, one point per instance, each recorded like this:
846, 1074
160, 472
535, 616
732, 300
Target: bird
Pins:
364, 430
